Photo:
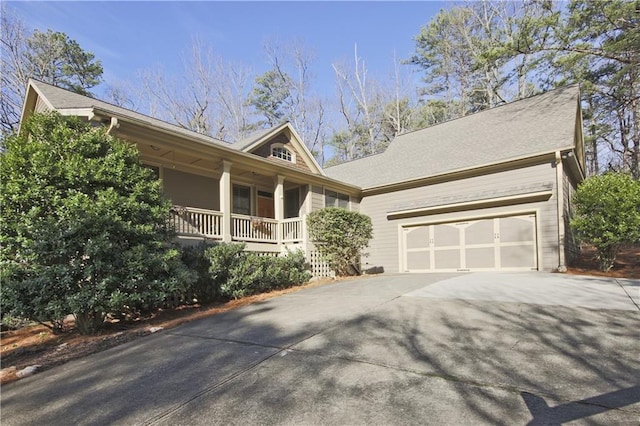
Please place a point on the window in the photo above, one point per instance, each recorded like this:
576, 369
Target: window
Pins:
242, 200
292, 203
279, 151
335, 199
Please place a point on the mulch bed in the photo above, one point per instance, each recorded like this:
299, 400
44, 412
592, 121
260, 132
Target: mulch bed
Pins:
627, 264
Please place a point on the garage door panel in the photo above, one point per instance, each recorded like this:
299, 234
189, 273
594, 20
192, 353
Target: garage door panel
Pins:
446, 235
480, 232
447, 259
418, 260
484, 244
516, 229
417, 237
480, 258
517, 256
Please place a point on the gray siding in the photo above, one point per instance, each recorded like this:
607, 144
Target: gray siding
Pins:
191, 190
41, 106
317, 198
384, 247
355, 204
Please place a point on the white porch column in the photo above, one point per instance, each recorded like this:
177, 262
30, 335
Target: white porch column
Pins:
308, 208
225, 200
278, 200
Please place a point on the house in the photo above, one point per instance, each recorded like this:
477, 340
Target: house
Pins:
490, 191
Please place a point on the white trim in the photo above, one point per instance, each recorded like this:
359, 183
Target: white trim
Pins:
155, 164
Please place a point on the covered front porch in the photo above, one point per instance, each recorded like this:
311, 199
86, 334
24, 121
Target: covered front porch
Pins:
216, 199
203, 224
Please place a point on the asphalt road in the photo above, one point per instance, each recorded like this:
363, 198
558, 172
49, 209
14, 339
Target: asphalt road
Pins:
530, 348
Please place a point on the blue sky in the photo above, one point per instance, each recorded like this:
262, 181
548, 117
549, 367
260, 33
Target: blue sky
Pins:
127, 36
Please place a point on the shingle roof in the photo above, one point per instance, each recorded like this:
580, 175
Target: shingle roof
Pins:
63, 99
536, 125
251, 139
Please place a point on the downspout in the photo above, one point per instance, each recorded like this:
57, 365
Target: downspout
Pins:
113, 125
562, 267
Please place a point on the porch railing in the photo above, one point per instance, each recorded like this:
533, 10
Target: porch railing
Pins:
193, 221
292, 230
255, 229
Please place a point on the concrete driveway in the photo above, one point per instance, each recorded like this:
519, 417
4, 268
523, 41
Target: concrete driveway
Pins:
530, 348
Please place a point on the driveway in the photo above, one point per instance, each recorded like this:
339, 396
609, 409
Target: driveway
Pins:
528, 348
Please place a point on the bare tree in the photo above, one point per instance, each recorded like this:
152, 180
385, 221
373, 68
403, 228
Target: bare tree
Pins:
123, 94
400, 107
14, 75
361, 104
208, 98
284, 93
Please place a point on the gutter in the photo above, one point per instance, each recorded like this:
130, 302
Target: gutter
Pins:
114, 124
562, 267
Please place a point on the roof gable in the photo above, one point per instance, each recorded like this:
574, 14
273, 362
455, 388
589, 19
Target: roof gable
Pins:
70, 103
526, 128
285, 134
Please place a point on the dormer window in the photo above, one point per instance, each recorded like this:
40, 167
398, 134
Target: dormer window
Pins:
279, 151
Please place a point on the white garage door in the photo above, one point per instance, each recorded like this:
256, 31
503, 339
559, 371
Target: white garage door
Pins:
501, 243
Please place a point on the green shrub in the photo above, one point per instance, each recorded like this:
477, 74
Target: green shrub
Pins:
83, 226
238, 273
223, 258
607, 214
289, 270
340, 236
204, 288
246, 277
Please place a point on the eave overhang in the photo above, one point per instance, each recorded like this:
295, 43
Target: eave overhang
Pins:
138, 130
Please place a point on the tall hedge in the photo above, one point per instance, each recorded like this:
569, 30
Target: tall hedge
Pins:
607, 214
340, 236
83, 226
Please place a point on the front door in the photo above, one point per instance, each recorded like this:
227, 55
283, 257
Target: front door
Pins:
265, 205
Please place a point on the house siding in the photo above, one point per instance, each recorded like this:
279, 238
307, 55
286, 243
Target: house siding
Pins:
317, 198
355, 204
189, 190
41, 106
384, 248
